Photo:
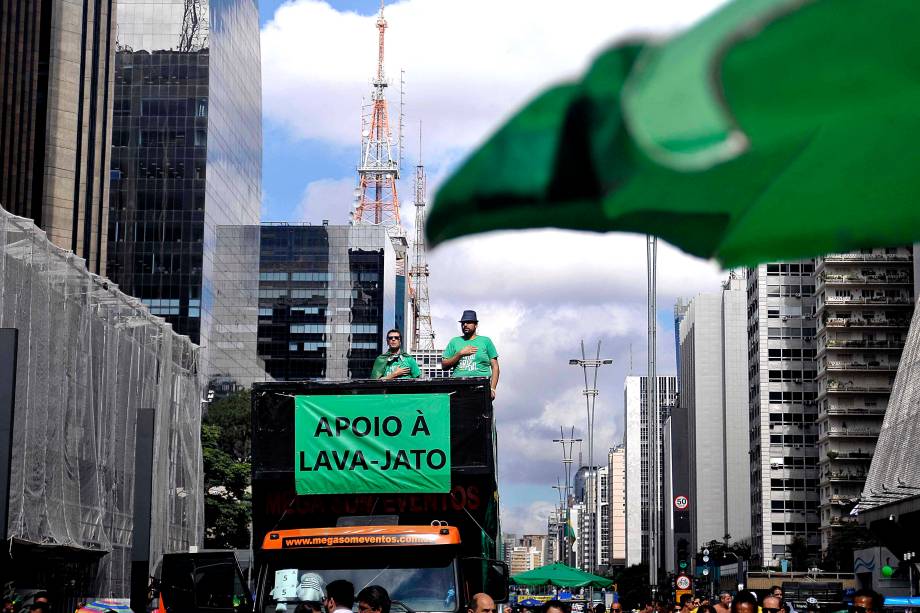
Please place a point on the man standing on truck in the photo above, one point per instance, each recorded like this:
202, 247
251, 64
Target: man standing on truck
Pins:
395, 363
471, 355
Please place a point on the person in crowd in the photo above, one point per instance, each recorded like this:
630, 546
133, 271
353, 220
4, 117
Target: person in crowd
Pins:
707, 608
373, 599
340, 596
556, 606
867, 601
686, 603
395, 363
811, 605
725, 602
471, 355
744, 602
481, 603
787, 606
771, 604
600, 608
616, 607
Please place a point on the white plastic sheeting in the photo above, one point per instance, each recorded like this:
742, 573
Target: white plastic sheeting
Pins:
895, 470
89, 357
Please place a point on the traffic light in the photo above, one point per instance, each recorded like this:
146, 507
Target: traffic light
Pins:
683, 564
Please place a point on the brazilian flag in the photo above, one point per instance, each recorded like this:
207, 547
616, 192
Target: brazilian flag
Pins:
774, 129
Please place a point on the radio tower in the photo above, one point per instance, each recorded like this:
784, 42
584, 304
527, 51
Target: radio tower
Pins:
423, 337
378, 201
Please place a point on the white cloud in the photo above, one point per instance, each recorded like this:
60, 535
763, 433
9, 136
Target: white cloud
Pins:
468, 64
538, 293
327, 199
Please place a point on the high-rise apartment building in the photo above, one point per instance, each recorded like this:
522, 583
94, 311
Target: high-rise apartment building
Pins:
429, 362
55, 92
616, 470
186, 150
636, 443
783, 409
594, 541
864, 304
713, 391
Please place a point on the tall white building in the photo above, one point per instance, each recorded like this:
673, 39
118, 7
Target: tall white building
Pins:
616, 470
783, 409
713, 390
864, 302
636, 449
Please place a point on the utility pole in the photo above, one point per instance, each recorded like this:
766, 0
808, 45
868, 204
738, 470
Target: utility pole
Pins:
654, 421
590, 393
567, 445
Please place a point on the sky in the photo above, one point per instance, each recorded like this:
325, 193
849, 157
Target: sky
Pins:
468, 66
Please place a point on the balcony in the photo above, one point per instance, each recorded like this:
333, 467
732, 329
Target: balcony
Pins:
850, 433
866, 257
866, 300
880, 279
872, 366
837, 522
837, 500
845, 477
855, 411
834, 345
846, 456
849, 388
843, 322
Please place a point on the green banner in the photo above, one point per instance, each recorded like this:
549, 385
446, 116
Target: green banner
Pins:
372, 443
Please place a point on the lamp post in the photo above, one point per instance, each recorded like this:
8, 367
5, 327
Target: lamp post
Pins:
909, 558
590, 393
567, 445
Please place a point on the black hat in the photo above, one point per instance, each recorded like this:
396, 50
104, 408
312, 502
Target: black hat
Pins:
469, 316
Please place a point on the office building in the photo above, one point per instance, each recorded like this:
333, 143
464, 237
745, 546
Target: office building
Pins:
864, 303
783, 409
677, 490
616, 469
553, 547
186, 150
713, 391
429, 362
637, 472
326, 299
524, 558
55, 93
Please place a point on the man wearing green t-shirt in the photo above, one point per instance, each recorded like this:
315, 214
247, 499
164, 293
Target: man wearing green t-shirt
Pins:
395, 363
471, 355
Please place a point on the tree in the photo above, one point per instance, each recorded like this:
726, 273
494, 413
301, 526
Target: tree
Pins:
226, 442
798, 553
844, 540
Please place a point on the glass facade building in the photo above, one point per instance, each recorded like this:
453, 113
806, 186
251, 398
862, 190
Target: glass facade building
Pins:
186, 150
327, 295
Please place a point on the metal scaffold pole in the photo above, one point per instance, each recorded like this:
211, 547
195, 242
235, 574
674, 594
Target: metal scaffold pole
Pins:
654, 423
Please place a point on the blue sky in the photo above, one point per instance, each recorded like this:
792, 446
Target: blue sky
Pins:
538, 293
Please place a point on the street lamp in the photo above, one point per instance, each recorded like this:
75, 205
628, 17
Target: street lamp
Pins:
908, 557
590, 393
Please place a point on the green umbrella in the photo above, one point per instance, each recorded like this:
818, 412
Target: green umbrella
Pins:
560, 575
774, 129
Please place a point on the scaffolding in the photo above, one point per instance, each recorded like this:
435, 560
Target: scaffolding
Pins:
89, 358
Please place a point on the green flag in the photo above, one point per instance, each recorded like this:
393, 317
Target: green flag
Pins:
774, 129
372, 443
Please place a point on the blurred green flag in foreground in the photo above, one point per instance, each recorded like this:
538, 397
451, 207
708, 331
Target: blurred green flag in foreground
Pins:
773, 129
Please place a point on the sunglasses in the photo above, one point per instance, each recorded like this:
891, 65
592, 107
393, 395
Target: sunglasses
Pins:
393, 338
770, 610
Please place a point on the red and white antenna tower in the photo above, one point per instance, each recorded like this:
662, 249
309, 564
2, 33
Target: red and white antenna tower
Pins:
377, 198
423, 333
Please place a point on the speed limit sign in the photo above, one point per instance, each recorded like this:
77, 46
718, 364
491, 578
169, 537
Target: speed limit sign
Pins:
683, 582
681, 502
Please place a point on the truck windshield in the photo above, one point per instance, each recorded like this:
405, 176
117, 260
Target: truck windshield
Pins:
421, 580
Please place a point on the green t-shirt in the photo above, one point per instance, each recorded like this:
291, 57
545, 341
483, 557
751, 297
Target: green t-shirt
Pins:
387, 363
477, 365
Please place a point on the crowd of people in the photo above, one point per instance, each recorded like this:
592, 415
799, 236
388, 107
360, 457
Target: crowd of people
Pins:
773, 601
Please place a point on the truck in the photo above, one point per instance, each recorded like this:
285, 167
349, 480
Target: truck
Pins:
390, 483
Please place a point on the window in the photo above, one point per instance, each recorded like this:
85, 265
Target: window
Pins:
265, 312
273, 276
308, 328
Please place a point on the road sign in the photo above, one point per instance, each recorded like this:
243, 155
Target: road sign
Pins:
680, 593
681, 502
683, 582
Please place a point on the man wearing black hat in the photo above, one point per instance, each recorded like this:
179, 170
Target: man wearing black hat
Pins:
471, 355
